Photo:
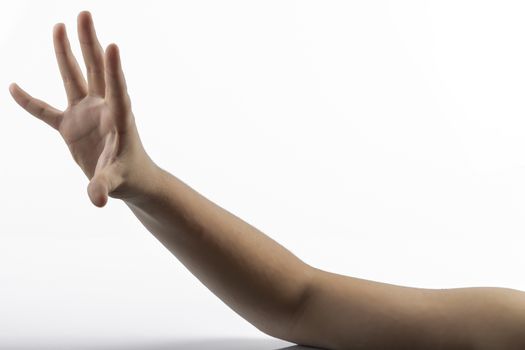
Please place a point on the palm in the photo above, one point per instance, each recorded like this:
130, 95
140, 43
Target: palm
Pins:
86, 128
98, 117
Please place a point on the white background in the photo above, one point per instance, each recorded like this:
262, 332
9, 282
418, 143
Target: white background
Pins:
379, 139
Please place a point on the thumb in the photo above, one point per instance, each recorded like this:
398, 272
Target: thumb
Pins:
100, 186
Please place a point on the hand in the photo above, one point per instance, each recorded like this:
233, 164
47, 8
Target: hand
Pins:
98, 125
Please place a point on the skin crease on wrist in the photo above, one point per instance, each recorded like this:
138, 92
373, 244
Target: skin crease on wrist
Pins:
250, 272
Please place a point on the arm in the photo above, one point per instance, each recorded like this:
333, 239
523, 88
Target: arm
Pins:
254, 275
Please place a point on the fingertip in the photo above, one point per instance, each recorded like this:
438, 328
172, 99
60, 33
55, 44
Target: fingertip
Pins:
112, 50
85, 14
59, 33
17, 93
113, 57
101, 201
98, 199
59, 27
84, 19
97, 192
12, 88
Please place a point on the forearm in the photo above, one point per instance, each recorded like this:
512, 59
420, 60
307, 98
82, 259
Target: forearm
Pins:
254, 275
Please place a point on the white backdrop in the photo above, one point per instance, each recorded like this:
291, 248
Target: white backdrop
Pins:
379, 139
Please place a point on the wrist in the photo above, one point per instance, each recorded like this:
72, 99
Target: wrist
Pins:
139, 181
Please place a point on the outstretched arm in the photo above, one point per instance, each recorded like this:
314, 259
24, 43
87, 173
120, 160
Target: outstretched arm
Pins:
254, 275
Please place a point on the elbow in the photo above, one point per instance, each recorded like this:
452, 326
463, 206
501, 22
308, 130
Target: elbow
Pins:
286, 324
301, 305
297, 321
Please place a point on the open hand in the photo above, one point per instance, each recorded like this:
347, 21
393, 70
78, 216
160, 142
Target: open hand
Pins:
98, 125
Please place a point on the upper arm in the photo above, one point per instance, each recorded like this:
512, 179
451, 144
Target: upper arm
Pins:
492, 317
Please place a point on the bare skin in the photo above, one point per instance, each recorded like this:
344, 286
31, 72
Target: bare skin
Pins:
254, 275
